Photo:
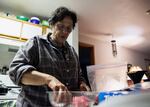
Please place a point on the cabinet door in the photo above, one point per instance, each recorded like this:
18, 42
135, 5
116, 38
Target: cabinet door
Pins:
10, 27
30, 30
48, 30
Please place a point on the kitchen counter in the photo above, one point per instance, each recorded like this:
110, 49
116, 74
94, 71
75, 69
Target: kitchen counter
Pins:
9, 99
7, 81
11, 95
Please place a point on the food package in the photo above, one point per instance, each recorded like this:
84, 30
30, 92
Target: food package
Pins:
107, 77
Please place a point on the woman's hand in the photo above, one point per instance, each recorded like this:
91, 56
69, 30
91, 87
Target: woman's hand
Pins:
84, 87
55, 84
63, 97
60, 92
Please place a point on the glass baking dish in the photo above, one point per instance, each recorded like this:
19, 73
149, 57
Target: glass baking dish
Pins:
72, 98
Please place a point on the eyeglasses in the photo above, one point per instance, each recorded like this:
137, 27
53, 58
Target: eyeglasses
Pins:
64, 28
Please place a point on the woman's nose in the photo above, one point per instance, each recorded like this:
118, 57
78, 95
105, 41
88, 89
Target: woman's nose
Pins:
65, 31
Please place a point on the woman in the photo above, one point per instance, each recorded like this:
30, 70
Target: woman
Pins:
47, 64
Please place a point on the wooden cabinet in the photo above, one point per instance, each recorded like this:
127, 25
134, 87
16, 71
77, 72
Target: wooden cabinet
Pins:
21, 30
29, 30
18, 29
10, 27
46, 30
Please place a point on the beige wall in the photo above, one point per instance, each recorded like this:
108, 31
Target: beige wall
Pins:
103, 53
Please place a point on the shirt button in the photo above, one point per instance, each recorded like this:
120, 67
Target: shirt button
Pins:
67, 83
67, 59
67, 70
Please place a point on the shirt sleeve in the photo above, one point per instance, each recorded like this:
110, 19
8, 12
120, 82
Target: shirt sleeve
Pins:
25, 60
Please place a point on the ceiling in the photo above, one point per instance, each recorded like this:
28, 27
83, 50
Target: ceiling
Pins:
126, 20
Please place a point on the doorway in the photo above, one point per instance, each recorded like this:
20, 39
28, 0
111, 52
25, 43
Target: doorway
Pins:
86, 58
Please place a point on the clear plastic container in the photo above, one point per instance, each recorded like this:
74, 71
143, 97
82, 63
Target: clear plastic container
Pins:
107, 77
72, 98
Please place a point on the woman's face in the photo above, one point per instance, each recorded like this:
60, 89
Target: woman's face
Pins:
62, 29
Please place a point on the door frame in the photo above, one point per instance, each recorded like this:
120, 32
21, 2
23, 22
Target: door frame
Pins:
92, 51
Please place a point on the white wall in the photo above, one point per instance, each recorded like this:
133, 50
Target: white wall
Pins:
103, 53
5, 55
73, 38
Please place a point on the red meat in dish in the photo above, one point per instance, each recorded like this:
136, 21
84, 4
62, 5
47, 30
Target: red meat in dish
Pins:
80, 101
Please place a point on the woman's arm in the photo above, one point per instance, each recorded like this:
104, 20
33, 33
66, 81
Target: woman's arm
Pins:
38, 78
35, 78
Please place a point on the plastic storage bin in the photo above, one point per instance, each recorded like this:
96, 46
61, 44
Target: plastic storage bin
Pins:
107, 77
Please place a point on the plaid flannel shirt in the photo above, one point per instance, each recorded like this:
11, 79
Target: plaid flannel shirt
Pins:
41, 54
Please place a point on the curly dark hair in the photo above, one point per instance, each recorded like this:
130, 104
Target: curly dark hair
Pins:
60, 13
